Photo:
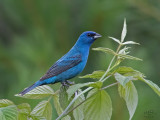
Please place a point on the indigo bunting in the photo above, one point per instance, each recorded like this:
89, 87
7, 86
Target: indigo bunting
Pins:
70, 65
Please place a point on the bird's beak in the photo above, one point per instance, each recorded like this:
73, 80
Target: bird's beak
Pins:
97, 36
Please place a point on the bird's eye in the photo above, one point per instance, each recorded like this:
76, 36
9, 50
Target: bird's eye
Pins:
89, 35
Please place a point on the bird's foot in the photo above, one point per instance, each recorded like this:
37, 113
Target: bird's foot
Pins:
69, 82
65, 84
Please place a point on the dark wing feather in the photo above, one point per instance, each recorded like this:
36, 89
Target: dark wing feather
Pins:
62, 65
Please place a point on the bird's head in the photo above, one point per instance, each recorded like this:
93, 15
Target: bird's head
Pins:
88, 37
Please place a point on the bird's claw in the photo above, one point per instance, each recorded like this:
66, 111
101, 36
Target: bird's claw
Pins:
69, 82
65, 84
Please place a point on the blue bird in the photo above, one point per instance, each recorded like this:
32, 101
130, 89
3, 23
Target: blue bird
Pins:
70, 65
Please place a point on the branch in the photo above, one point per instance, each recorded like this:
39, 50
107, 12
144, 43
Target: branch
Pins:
74, 99
80, 103
108, 69
109, 86
90, 97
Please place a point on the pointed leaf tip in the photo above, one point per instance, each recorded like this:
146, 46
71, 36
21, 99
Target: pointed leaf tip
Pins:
155, 87
105, 50
129, 57
130, 42
124, 31
129, 94
116, 40
38, 92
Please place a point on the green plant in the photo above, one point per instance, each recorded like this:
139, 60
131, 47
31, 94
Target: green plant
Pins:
71, 103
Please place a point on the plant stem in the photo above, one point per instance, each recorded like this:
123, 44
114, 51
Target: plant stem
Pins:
90, 97
106, 78
80, 103
108, 69
109, 85
116, 64
74, 99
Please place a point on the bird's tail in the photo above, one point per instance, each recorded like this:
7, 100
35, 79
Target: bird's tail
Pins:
38, 83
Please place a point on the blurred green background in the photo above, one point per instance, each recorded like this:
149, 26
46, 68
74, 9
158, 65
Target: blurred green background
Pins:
35, 33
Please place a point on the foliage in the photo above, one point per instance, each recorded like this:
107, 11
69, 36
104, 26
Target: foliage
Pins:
71, 103
98, 105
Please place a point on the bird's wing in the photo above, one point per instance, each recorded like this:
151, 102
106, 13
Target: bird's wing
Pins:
62, 65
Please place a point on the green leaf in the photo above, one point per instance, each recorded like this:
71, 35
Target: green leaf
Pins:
5, 102
57, 104
43, 109
124, 31
8, 113
123, 79
135, 74
72, 89
36, 118
63, 97
128, 71
116, 40
58, 107
98, 105
106, 50
95, 75
129, 94
38, 93
24, 108
78, 113
23, 116
152, 85
129, 57
97, 84
23, 111
123, 70
130, 42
